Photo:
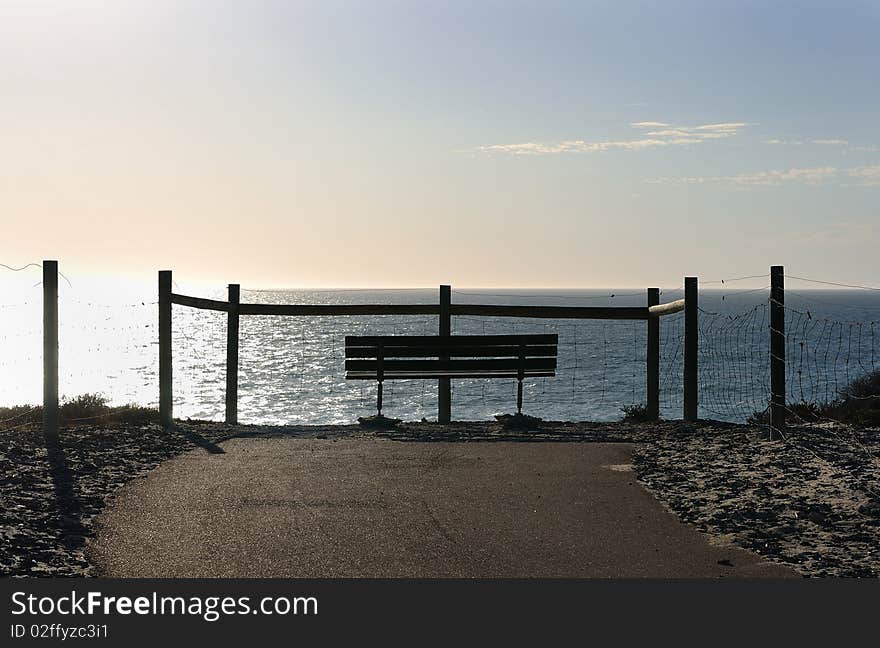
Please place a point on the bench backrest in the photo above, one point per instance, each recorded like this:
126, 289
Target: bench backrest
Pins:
454, 356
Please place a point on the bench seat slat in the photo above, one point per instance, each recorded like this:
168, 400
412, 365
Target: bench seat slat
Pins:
399, 375
450, 341
457, 366
488, 351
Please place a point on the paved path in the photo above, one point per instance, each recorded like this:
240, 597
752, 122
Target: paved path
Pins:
377, 508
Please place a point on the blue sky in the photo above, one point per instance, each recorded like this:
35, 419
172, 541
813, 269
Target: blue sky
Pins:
414, 143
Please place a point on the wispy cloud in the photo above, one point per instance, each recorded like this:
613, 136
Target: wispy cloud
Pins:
581, 146
655, 135
649, 124
730, 127
866, 176
818, 142
771, 178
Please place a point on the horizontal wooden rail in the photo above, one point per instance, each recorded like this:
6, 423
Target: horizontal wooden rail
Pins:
199, 302
337, 309
308, 309
666, 309
553, 312
476, 310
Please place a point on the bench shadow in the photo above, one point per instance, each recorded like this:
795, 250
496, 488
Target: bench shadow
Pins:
456, 432
197, 439
67, 503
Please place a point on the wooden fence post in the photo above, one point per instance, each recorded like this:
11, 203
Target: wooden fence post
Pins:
653, 357
232, 355
444, 387
691, 348
777, 352
165, 389
50, 350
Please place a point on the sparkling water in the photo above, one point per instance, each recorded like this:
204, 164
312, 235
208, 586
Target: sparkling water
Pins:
292, 368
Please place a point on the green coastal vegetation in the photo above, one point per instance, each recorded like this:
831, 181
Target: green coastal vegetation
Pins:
858, 404
81, 410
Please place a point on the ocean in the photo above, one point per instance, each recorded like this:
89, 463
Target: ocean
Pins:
292, 368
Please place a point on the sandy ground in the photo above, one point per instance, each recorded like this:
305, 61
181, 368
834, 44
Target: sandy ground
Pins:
811, 501
50, 496
311, 508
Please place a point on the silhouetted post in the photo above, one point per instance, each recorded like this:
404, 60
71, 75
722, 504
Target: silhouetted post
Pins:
50, 350
444, 387
777, 351
653, 357
165, 390
232, 355
691, 348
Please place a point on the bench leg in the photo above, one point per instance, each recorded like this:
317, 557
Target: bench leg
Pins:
519, 396
379, 399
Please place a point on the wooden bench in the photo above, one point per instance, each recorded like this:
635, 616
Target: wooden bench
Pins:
398, 357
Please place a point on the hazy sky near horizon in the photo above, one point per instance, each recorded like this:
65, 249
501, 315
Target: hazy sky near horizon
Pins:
564, 144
